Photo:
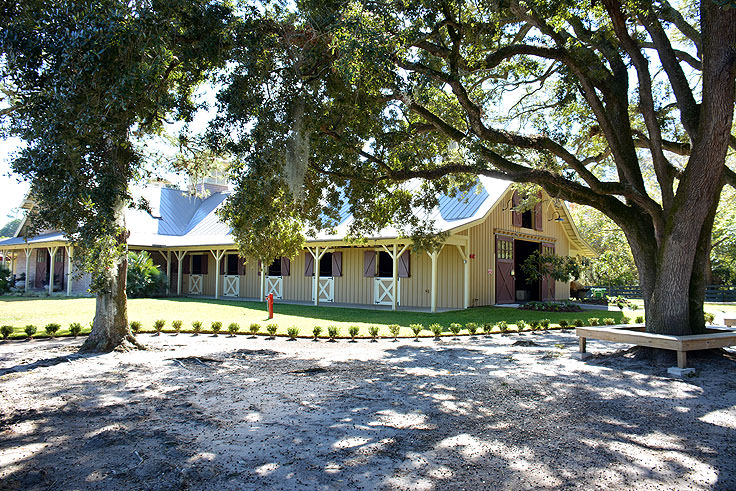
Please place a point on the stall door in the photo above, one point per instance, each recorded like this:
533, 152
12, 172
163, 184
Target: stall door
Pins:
547, 283
42, 268
504, 268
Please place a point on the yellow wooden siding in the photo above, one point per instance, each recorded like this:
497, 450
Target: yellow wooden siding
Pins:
482, 244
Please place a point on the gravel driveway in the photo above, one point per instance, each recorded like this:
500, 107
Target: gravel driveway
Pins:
500, 412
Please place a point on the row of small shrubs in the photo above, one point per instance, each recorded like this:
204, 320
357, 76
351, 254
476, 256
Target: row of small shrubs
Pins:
51, 329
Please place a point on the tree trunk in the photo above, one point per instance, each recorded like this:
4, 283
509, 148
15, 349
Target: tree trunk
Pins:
110, 328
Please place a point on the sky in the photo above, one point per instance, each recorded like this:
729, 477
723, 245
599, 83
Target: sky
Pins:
12, 189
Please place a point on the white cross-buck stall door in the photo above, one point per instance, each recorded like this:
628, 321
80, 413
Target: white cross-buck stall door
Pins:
326, 289
195, 284
275, 285
383, 291
231, 285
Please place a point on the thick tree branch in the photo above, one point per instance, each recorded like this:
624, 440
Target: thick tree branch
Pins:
689, 109
646, 106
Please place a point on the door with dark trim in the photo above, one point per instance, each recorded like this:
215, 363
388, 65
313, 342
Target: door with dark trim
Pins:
547, 283
504, 268
42, 268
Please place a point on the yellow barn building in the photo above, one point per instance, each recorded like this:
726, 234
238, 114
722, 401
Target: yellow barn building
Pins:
478, 263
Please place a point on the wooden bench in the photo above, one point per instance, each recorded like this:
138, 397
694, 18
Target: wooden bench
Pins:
715, 338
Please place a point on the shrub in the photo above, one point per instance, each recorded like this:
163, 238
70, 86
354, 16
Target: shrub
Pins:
709, 318
51, 328
353, 331
472, 328
487, 327
30, 330
544, 323
176, 325
293, 332
534, 325
144, 278
520, 326
271, 329
373, 332
233, 328
75, 328
625, 319
578, 323
639, 319
159, 325
503, 326
254, 328
563, 323
436, 330
609, 321
394, 329
333, 332
6, 280
316, 331
593, 321
216, 327
6, 331
197, 327
416, 329
455, 328
135, 326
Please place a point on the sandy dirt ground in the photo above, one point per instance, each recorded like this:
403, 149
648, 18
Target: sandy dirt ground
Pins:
220, 413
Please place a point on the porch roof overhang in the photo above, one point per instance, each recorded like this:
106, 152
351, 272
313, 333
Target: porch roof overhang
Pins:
50, 239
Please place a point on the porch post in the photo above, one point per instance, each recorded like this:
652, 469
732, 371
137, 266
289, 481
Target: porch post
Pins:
263, 279
69, 252
315, 270
218, 254
28, 252
395, 276
168, 273
52, 251
179, 273
433, 302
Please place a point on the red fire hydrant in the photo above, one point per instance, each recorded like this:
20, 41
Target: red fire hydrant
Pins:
270, 305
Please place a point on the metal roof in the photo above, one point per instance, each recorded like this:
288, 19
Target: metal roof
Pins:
178, 219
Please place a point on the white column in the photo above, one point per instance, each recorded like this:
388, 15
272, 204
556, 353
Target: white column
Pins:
263, 279
69, 252
28, 252
395, 277
180, 272
218, 255
168, 273
52, 251
315, 271
433, 292
12, 262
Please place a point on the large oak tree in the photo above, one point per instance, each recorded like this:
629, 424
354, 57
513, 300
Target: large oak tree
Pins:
344, 100
85, 80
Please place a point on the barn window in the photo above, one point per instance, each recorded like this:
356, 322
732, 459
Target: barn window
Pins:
231, 267
325, 265
275, 268
527, 219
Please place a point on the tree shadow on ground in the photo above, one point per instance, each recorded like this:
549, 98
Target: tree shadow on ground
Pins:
434, 415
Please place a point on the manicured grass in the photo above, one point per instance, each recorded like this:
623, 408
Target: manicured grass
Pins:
18, 312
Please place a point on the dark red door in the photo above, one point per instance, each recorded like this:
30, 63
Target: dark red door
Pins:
42, 268
548, 284
59, 261
504, 267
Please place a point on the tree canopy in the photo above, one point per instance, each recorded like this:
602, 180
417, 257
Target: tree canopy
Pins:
84, 80
331, 101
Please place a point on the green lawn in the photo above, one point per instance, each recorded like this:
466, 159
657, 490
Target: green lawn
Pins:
19, 312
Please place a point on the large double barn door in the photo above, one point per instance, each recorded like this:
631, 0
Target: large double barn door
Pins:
505, 286
547, 283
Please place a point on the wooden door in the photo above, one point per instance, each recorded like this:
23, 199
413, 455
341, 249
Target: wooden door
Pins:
547, 283
59, 260
504, 266
42, 268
